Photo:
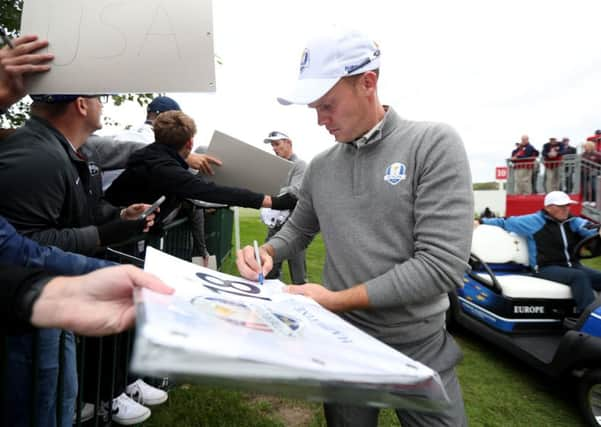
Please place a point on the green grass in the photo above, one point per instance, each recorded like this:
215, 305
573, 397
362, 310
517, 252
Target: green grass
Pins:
201, 406
498, 391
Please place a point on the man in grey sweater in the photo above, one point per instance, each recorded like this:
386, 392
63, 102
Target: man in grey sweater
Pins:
393, 201
282, 147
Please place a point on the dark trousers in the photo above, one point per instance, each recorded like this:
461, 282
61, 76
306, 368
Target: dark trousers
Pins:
582, 280
18, 391
106, 366
589, 187
439, 352
196, 216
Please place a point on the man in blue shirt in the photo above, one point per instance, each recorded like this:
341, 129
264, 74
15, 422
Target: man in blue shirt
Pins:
552, 234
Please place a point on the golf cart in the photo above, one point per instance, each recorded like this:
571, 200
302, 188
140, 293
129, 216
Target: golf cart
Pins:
526, 316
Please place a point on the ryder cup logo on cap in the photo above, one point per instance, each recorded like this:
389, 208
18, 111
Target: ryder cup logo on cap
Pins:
327, 59
395, 173
304, 60
558, 198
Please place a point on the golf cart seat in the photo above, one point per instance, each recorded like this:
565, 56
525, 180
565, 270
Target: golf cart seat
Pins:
493, 245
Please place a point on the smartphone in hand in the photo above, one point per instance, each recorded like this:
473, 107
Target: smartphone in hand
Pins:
152, 207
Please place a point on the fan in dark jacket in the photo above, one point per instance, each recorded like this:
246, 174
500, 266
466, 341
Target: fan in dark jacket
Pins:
161, 169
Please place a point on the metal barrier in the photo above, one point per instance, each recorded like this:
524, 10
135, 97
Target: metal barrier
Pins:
543, 176
218, 233
175, 239
589, 176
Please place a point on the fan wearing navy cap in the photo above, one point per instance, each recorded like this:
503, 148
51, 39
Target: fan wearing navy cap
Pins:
145, 134
111, 153
393, 202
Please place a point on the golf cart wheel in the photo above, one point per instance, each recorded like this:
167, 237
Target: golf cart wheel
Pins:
589, 397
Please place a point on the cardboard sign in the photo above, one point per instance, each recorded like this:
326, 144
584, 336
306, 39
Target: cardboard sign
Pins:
245, 166
108, 46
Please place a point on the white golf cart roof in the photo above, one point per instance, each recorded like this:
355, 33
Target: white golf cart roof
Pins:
494, 245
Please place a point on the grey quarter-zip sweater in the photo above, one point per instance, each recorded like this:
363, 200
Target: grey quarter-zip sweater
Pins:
395, 213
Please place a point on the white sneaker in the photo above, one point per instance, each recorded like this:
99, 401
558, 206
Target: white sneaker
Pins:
145, 394
125, 411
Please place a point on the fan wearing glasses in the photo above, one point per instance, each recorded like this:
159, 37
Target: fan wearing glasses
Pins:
55, 203
45, 184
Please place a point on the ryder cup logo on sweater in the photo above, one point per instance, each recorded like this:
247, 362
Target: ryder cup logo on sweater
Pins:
395, 173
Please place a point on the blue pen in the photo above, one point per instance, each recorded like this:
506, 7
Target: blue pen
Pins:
258, 257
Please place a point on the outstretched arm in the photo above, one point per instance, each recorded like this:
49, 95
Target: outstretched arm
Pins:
16, 249
99, 303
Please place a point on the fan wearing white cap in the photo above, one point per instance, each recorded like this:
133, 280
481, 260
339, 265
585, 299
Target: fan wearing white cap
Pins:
393, 202
552, 234
282, 147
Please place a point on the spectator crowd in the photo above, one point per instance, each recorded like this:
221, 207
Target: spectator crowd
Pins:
561, 163
55, 216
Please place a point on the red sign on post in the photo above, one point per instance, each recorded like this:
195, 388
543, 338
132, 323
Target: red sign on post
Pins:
501, 173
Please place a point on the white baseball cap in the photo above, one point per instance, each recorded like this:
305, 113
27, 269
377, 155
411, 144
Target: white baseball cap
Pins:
329, 57
275, 136
558, 198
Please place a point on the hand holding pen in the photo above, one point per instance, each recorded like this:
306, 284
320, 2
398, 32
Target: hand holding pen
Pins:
254, 262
